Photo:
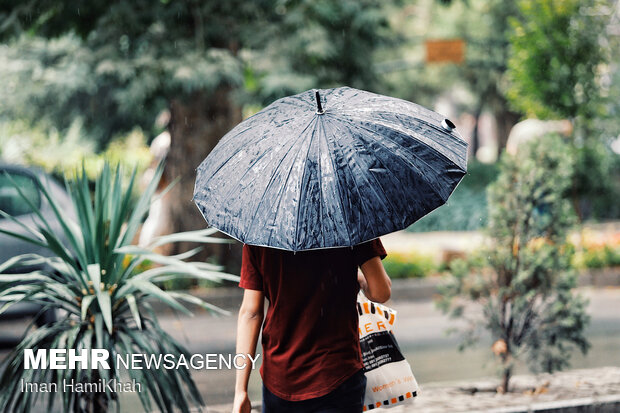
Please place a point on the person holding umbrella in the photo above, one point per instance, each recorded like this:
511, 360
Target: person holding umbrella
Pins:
311, 355
308, 184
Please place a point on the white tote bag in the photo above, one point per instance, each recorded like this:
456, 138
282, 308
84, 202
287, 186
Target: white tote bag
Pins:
390, 381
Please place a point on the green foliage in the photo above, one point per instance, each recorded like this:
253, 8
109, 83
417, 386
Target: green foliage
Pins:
597, 180
597, 257
111, 91
117, 64
556, 56
322, 43
93, 279
61, 153
524, 284
409, 265
484, 26
49, 80
478, 84
559, 68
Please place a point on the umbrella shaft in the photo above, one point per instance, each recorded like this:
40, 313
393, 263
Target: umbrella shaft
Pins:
319, 107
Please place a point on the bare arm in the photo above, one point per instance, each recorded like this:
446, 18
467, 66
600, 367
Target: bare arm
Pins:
248, 329
374, 281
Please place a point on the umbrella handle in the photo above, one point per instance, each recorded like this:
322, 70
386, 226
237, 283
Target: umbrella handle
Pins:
319, 107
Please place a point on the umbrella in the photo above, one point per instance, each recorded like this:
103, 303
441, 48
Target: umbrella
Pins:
329, 168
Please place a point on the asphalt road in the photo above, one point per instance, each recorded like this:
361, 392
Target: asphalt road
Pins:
421, 331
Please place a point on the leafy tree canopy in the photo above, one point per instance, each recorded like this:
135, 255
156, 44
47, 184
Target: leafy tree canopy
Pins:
557, 54
116, 64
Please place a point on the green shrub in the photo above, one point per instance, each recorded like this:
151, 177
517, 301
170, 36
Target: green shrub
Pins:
597, 257
523, 290
411, 265
613, 256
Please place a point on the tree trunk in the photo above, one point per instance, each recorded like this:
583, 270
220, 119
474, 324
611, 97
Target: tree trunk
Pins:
505, 119
506, 380
196, 125
475, 134
506, 372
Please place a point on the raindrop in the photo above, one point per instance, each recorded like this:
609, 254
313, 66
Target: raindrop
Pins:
186, 121
78, 10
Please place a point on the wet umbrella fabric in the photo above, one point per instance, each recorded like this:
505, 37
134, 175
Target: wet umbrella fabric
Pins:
358, 165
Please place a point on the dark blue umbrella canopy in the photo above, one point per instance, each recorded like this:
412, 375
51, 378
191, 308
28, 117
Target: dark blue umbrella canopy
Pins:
307, 173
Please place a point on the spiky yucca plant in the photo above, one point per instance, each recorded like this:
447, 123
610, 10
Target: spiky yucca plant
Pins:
103, 299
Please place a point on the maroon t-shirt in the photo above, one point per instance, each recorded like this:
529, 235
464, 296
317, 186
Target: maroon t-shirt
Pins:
310, 334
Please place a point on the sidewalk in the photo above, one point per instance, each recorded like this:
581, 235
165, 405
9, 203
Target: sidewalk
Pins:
530, 393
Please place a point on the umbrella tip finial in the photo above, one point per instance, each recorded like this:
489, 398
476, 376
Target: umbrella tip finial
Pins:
319, 107
448, 125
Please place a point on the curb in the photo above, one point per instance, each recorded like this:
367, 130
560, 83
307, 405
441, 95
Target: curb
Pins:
598, 404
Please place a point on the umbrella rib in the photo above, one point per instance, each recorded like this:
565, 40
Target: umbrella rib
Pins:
338, 147
319, 174
319, 177
412, 153
237, 135
424, 177
249, 126
340, 192
225, 143
342, 210
247, 170
303, 177
301, 134
377, 182
242, 176
458, 141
